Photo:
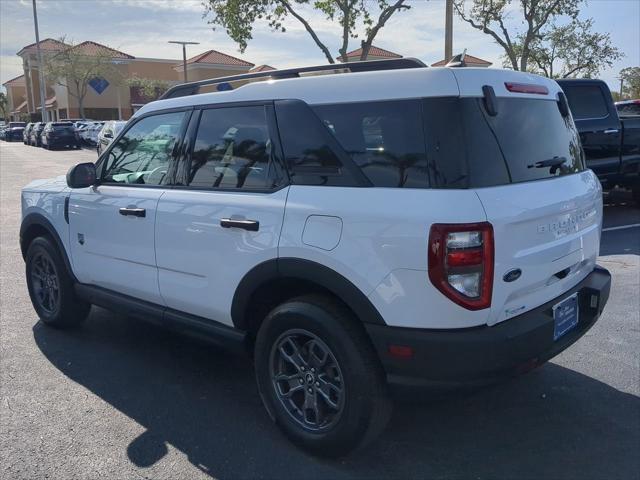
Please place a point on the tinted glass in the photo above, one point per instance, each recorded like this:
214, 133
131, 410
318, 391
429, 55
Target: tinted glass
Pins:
232, 150
586, 101
530, 131
143, 154
304, 140
384, 139
629, 109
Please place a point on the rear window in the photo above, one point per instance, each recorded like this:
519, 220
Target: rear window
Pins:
586, 102
629, 109
453, 143
62, 126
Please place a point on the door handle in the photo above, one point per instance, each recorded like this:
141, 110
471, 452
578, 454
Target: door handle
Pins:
134, 212
611, 131
250, 225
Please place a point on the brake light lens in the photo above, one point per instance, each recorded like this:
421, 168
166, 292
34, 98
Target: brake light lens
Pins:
526, 88
461, 262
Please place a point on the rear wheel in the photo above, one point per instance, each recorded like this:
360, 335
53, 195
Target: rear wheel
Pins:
319, 378
51, 287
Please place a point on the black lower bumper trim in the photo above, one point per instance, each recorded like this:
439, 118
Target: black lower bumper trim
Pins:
484, 354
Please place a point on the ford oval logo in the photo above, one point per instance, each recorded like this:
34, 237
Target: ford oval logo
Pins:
512, 275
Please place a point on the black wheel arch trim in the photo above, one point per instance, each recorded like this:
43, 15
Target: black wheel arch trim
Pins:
308, 270
39, 220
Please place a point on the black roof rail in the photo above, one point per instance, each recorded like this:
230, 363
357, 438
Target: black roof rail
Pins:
192, 88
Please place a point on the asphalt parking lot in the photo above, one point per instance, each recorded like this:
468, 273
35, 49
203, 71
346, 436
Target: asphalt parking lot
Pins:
122, 399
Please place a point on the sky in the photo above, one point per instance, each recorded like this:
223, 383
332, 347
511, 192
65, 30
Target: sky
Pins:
143, 27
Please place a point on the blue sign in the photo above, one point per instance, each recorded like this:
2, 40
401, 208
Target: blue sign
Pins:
224, 86
99, 84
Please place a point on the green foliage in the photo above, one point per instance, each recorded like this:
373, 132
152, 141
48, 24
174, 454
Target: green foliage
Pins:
572, 50
150, 88
493, 17
631, 82
3, 105
239, 17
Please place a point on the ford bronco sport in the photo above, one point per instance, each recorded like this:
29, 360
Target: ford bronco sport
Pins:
384, 224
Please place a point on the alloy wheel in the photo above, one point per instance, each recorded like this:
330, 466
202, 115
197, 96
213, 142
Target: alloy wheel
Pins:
307, 380
46, 283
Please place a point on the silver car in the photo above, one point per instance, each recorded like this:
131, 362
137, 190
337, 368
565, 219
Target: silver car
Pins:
108, 133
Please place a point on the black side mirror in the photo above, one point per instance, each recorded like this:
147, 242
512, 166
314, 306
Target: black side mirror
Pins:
107, 135
82, 175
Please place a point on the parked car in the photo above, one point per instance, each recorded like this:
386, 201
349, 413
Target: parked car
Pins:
611, 144
13, 131
26, 133
89, 133
628, 108
35, 135
357, 237
3, 128
59, 134
108, 132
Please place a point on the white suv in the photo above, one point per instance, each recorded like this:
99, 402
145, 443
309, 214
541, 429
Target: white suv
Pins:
388, 224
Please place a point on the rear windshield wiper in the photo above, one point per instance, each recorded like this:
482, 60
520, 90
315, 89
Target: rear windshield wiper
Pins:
551, 162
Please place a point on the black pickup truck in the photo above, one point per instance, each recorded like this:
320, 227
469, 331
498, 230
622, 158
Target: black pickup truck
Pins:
611, 143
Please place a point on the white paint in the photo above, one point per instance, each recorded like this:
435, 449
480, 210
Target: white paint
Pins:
621, 227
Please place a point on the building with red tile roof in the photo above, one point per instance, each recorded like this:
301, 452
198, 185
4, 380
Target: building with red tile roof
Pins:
375, 53
108, 98
470, 60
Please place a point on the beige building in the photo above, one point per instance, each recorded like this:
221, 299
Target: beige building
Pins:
107, 98
16, 98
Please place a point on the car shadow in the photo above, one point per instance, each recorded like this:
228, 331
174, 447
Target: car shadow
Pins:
551, 423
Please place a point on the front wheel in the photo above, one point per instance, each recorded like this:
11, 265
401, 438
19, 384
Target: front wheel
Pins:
319, 377
51, 287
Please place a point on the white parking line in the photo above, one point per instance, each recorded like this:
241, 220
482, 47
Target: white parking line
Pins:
622, 227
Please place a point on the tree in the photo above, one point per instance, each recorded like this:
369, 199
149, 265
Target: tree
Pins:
238, 18
3, 105
492, 16
74, 68
148, 89
630, 77
572, 50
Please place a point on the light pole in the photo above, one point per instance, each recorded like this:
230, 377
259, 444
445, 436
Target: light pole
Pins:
184, 53
40, 65
448, 31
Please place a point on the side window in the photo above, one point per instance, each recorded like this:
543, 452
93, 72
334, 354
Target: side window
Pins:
304, 141
587, 101
384, 139
143, 154
233, 150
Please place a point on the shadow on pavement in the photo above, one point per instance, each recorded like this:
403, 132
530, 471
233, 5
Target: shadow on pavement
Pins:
552, 423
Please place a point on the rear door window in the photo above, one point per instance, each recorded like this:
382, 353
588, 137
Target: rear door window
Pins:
384, 139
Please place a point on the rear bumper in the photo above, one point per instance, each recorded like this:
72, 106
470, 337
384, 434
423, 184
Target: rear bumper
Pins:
62, 142
484, 354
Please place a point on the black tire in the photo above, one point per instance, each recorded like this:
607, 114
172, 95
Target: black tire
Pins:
45, 270
362, 404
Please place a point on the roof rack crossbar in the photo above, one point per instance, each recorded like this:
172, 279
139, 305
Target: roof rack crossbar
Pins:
192, 88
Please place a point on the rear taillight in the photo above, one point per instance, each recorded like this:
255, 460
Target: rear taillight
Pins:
461, 262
